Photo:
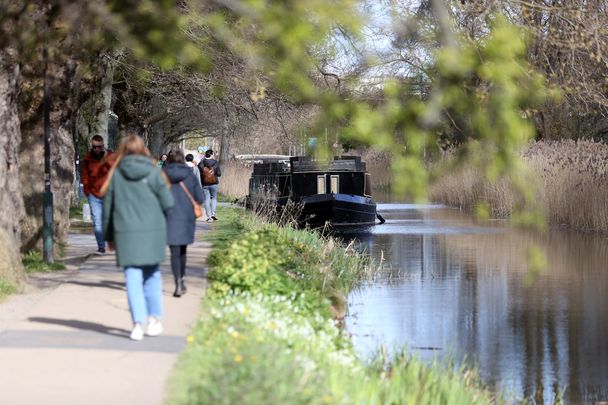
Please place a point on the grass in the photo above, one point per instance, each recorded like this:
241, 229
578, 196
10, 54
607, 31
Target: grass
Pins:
269, 332
33, 263
6, 289
224, 198
76, 211
570, 178
281, 260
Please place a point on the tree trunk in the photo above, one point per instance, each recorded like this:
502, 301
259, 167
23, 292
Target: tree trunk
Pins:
32, 179
62, 156
224, 155
224, 141
156, 141
104, 101
11, 200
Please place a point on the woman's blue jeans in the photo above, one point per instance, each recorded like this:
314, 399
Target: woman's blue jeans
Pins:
145, 292
210, 193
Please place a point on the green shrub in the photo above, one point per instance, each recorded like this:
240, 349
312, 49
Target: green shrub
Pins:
264, 261
263, 257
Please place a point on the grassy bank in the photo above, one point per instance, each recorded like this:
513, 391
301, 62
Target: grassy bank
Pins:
6, 289
571, 179
76, 210
33, 263
268, 333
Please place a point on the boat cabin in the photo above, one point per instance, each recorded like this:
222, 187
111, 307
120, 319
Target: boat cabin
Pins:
301, 176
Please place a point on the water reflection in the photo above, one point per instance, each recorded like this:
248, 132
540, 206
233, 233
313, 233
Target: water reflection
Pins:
456, 288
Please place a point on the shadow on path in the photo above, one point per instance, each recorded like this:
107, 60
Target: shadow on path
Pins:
82, 325
115, 285
76, 260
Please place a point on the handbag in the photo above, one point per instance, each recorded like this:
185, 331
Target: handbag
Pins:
198, 211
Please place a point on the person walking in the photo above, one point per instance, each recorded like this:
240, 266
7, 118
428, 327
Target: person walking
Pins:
162, 160
137, 196
181, 217
210, 173
95, 167
195, 169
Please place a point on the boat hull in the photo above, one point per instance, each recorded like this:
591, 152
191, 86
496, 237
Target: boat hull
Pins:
337, 210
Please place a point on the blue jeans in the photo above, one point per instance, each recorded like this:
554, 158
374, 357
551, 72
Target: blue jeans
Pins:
96, 205
145, 292
210, 193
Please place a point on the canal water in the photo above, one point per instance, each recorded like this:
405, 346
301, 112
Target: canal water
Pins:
453, 288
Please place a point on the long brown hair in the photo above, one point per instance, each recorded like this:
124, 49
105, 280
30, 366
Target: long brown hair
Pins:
131, 145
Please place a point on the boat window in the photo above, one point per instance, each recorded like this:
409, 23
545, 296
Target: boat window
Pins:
321, 187
335, 184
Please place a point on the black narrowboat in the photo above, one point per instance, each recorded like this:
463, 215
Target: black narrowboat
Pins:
337, 192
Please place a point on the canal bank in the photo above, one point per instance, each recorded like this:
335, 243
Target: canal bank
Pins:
268, 333
458, 288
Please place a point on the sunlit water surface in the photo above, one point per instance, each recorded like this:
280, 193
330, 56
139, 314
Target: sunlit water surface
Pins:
454, 288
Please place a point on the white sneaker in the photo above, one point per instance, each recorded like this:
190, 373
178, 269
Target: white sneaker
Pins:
155, 328
137, 333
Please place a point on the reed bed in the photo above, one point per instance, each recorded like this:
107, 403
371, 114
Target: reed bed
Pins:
234, 182
378, 163
570, 178
466, 187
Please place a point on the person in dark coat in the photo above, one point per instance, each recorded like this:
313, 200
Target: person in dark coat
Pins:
210, 187
180, 218
136, 198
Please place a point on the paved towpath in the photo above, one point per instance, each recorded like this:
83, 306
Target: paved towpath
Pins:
66, 340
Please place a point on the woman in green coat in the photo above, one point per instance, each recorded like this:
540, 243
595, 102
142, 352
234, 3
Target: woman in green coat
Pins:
136, 197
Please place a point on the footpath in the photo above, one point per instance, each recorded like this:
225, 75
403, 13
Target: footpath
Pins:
66, 340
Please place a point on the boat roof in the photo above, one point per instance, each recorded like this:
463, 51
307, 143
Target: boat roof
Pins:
263, 158
303, 164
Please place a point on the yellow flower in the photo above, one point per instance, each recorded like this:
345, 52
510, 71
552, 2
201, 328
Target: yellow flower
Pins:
190, 339
238, 358
234, 334
327, 399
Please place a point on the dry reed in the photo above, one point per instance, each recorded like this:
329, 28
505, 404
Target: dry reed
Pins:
572, 184
234, 182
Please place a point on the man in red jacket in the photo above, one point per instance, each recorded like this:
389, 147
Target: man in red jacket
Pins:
95, 167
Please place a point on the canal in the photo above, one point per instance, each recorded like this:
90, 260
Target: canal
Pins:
454, 288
